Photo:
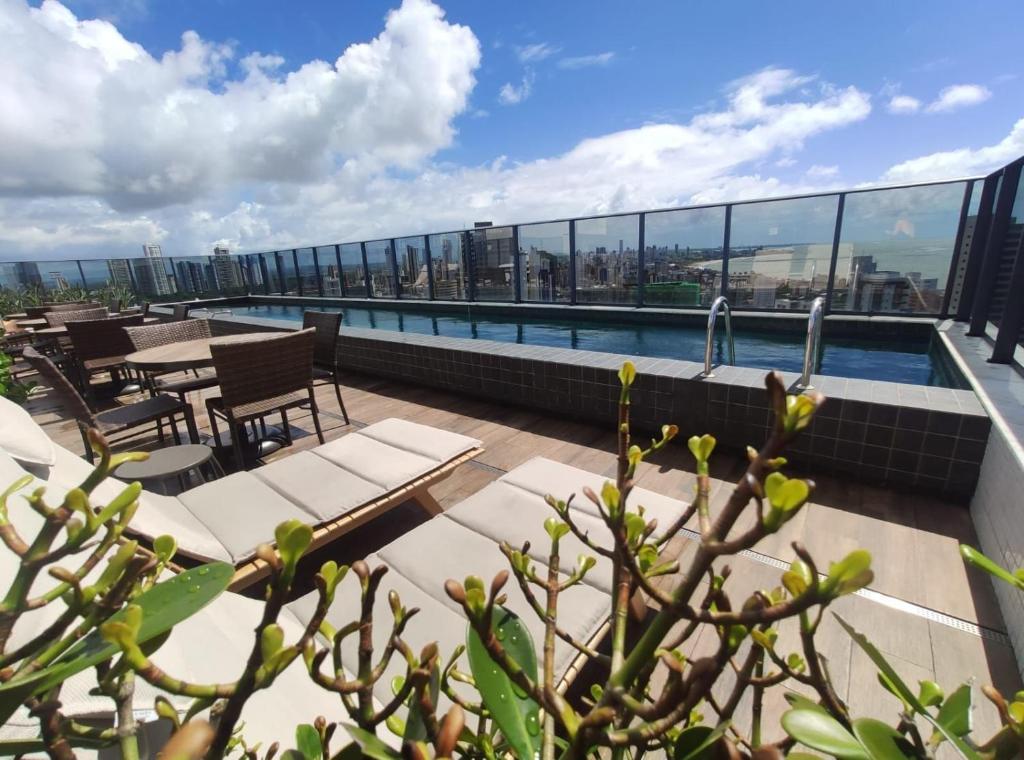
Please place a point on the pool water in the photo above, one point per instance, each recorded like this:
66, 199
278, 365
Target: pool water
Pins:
915, 362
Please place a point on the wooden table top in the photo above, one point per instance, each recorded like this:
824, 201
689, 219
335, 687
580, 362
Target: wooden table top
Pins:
63, 330
18, 315
31, 322
187, 354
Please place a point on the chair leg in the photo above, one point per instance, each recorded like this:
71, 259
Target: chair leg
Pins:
337, 390
237, 437
88, 446
217, 444
190, 423
316, 416
173, 423
286, 426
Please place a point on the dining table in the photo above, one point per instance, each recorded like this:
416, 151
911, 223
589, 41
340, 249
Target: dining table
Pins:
26, 323
61, 330
186, 354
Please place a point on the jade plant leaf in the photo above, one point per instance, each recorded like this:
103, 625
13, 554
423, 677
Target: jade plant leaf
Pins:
878, 739
308, 741
955, 713
904, 691
515, 713
698, 742
973, 557
819, 730
163, 607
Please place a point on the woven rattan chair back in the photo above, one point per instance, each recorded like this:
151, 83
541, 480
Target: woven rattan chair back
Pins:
102, 338
60, 385
325, 347
75, 306
58, 318
180, 312
151, 336
258, 370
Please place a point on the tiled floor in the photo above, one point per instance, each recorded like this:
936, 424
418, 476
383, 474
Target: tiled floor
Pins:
913, 539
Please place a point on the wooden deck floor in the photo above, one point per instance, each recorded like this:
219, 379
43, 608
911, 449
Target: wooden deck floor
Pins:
919, 576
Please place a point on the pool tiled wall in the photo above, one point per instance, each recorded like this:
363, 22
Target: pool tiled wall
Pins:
930, 439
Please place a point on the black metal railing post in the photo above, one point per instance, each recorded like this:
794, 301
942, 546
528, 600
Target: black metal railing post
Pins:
724, 291
429, 259
517, 267
993, 248
367, 279
833, 262
298, 272
641, 259
572, 262
976, 254
1013, 312
316, 268
394, 268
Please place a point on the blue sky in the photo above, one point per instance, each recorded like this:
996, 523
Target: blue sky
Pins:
586, 84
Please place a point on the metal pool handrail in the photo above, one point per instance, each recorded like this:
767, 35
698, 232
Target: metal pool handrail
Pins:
812, 348
719, 304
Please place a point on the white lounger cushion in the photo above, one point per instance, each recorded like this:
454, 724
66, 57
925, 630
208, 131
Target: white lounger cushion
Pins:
320, 486
513, 509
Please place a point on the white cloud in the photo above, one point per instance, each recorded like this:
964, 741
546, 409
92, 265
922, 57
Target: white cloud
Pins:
510, 94
785, 161
536, 52
959, 96
84, 111
334, 152
901, 104
961, 162
584, 61
817, 171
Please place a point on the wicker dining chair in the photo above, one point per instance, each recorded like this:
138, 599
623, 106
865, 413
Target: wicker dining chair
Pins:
113, 422
151, 336
258, 378
100, 345
75, 306
325, 349
58, 318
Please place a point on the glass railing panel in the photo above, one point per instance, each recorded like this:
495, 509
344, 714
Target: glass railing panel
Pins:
780, 252
544, 263
1017, 211
380, 262
228, 279
330, 275
607, 259
352, 270
111, 275
194, 277
493, 264
412, 267
448, 259
683, 257
307, 272
20, 275
252, 273
153, 279
895, 249
271, 273
290, 277
59, 280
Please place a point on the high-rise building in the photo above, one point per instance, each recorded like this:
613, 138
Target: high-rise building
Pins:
226, 269
150, 274
120, 275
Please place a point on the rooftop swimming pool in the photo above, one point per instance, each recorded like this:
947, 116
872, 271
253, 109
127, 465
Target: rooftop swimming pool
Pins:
921, 362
